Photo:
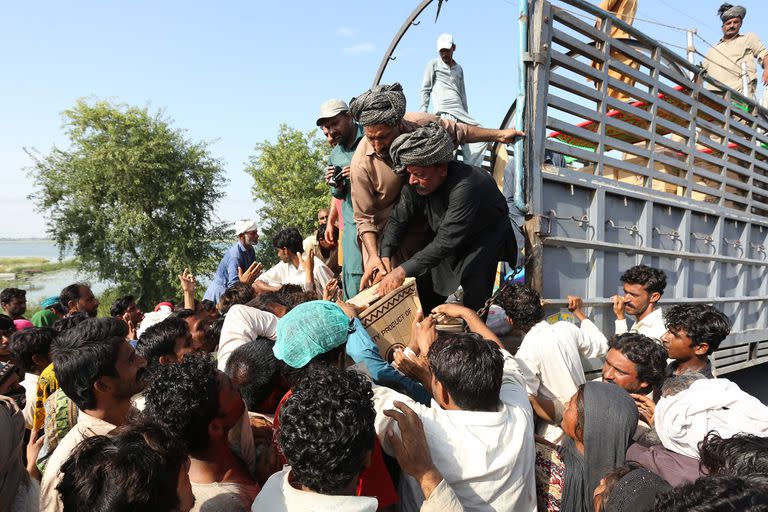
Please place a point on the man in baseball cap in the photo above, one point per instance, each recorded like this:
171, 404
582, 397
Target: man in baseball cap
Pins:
443, 85
344, 134
239, 262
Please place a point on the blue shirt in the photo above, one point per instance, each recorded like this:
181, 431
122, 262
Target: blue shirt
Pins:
362, 349
226, 275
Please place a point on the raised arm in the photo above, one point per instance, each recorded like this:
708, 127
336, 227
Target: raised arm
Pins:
426, 85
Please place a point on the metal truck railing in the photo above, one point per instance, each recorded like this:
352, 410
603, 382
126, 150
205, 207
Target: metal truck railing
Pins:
630, 160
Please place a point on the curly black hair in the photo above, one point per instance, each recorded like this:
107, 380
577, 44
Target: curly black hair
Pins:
649, 357
84, 353
522, 304
470, 367
135, 468
238, 293
121, 305
29, 342
326, 428
716, 493
651, 279
160, 339
255, 366
184, 397
700, 322
290, 239
740, 455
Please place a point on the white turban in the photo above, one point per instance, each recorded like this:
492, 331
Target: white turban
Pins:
683, 420
244, 226
153, 317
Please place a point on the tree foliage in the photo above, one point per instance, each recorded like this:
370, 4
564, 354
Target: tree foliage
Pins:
288, 181
132, 197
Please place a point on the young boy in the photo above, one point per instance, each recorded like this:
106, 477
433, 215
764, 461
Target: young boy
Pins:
693, 332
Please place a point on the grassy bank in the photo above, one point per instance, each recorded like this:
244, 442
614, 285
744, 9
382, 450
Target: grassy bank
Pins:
34, 265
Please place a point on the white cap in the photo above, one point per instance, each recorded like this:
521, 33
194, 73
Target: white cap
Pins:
444, 42
330, 108
244, 226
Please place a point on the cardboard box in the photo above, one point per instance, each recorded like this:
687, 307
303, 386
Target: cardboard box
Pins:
388, 319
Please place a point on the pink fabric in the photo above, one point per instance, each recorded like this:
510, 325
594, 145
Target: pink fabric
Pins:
337, 205
22, 324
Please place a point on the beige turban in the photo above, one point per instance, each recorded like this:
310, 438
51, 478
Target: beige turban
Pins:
383, 104
424, 146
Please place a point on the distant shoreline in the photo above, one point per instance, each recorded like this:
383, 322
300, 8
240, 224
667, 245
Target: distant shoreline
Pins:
43, 240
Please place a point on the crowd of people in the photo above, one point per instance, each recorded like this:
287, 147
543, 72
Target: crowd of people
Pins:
270, 395
280, 400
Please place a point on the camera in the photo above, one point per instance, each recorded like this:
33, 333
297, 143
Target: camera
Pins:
336, 179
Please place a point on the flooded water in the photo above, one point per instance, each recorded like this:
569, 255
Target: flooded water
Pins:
30, 249
40, 286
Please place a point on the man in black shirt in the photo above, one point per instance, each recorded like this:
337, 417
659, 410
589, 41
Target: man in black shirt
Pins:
465, 210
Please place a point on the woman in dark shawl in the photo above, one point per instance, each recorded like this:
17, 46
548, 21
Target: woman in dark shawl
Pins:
599, 421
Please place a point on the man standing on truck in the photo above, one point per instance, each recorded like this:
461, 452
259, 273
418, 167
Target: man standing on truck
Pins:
444, 84
464, 209
723, 61
643, 288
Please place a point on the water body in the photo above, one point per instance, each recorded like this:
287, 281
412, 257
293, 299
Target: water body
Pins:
31, 249
39, 286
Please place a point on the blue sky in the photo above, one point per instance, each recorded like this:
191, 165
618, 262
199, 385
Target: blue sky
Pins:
231, 72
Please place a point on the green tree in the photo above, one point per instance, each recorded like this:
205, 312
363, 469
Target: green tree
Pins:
132, 197
289, 182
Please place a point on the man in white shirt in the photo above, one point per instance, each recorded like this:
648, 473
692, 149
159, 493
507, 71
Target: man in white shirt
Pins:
643, 288
99, 371
241, 325
479, 427
550, 354
295, 267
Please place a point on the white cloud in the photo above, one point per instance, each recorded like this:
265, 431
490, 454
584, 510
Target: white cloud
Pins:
346, 32
358, 49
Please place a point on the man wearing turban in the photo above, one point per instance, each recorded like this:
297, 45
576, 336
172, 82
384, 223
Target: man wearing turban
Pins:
723, 61
464, 209
239, 262
375, 187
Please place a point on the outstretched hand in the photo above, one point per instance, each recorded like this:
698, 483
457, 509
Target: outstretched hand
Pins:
423, 333
411, 449
250, 275
374, 273
509, 135
187, 281
331, 290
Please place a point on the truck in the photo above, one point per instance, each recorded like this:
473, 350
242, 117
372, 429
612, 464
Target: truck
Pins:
633, 155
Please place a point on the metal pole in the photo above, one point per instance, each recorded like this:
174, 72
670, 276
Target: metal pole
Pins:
745, 80
519, 195
691, 49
